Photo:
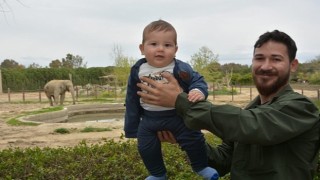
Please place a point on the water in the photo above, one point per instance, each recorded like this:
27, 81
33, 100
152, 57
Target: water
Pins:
97, 117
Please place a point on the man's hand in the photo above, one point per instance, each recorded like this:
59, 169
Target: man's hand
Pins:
158, 93
166, 136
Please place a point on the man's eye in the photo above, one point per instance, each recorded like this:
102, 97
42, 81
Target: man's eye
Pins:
258, 58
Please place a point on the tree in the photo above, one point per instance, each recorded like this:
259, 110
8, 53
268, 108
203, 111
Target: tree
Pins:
206, 63
122, 65
230, 69
34, 65
55, 64
10, 63
72, 61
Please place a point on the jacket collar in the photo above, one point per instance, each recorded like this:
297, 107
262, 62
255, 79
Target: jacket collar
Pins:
256, 102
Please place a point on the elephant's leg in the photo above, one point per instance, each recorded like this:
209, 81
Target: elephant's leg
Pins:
51, 101
62, 98
55, 98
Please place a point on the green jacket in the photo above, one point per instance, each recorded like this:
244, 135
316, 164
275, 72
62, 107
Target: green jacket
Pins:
278, 140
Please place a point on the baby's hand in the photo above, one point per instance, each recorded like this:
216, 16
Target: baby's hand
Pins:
195, 95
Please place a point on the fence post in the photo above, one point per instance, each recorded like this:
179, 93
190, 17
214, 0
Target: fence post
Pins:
95, 91
318, 94
9, 98
39, 94
23, 96
232, 93
77, 92
302, 91
250, 93
213, 95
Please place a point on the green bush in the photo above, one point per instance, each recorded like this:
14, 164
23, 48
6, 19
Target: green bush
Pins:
109, 160
62, 131
94, 129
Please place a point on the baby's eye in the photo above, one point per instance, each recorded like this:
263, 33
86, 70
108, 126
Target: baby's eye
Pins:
153, 44
168, 45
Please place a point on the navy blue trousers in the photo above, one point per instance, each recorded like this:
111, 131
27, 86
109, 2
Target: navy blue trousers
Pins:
149, 146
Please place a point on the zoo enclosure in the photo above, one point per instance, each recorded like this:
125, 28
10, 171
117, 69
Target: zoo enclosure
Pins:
237, 94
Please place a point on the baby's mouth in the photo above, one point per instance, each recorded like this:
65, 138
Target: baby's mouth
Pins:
159, 56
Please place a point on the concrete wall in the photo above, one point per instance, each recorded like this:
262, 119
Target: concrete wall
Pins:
72, 110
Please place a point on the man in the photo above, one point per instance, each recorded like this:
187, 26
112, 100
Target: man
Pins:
275, 137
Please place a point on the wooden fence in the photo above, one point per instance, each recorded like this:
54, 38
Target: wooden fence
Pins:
244, 94
237, 94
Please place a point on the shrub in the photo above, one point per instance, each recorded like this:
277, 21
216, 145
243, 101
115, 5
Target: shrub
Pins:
62, 131
107, 160
93, 129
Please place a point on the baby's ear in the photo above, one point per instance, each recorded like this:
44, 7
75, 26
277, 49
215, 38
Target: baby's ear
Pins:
141, 49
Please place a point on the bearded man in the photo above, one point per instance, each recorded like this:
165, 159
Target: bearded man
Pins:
275, 137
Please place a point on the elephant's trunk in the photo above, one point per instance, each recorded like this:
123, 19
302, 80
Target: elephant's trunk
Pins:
73, 95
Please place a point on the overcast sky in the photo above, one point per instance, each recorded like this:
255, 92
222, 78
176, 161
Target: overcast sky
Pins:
39, 31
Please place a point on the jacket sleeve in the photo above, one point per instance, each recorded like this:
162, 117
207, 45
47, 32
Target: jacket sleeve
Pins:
133, 109
220, 157
265, 125
198, 82
190, 79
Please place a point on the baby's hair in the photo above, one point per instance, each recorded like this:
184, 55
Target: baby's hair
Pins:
159, 25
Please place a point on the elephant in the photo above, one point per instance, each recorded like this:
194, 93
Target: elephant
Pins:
56, 88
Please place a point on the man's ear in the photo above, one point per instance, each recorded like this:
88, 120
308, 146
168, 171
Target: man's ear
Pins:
141, 49
294, 65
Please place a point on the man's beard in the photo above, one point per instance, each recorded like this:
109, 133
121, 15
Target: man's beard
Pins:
267, 90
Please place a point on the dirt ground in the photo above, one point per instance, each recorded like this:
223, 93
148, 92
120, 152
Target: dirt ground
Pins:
44, 136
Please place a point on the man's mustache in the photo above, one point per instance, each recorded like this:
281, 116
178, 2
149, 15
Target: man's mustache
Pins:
266, 72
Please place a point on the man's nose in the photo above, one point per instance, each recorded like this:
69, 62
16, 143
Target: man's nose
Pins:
267, 64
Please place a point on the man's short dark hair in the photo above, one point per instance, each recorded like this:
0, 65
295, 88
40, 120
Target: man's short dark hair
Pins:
280, 37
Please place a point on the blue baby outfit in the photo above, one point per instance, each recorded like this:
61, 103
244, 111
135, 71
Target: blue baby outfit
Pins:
144, 124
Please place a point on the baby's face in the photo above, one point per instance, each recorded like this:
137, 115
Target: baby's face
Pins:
159, 48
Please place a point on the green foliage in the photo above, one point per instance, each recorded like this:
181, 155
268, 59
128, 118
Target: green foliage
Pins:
243, 79
206, 63
62, 131
224, 91
122, 65
109, 160
16, 122
10, 63
35, 78
94, 129
72, 61
44, 110
108, 94
314, 78
317, 103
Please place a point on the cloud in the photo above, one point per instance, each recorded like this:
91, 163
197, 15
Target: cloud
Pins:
41, 31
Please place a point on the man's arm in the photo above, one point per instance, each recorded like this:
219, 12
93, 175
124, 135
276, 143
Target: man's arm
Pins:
220, 157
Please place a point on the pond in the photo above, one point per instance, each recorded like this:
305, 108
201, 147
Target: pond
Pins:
96, 117
80, 113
